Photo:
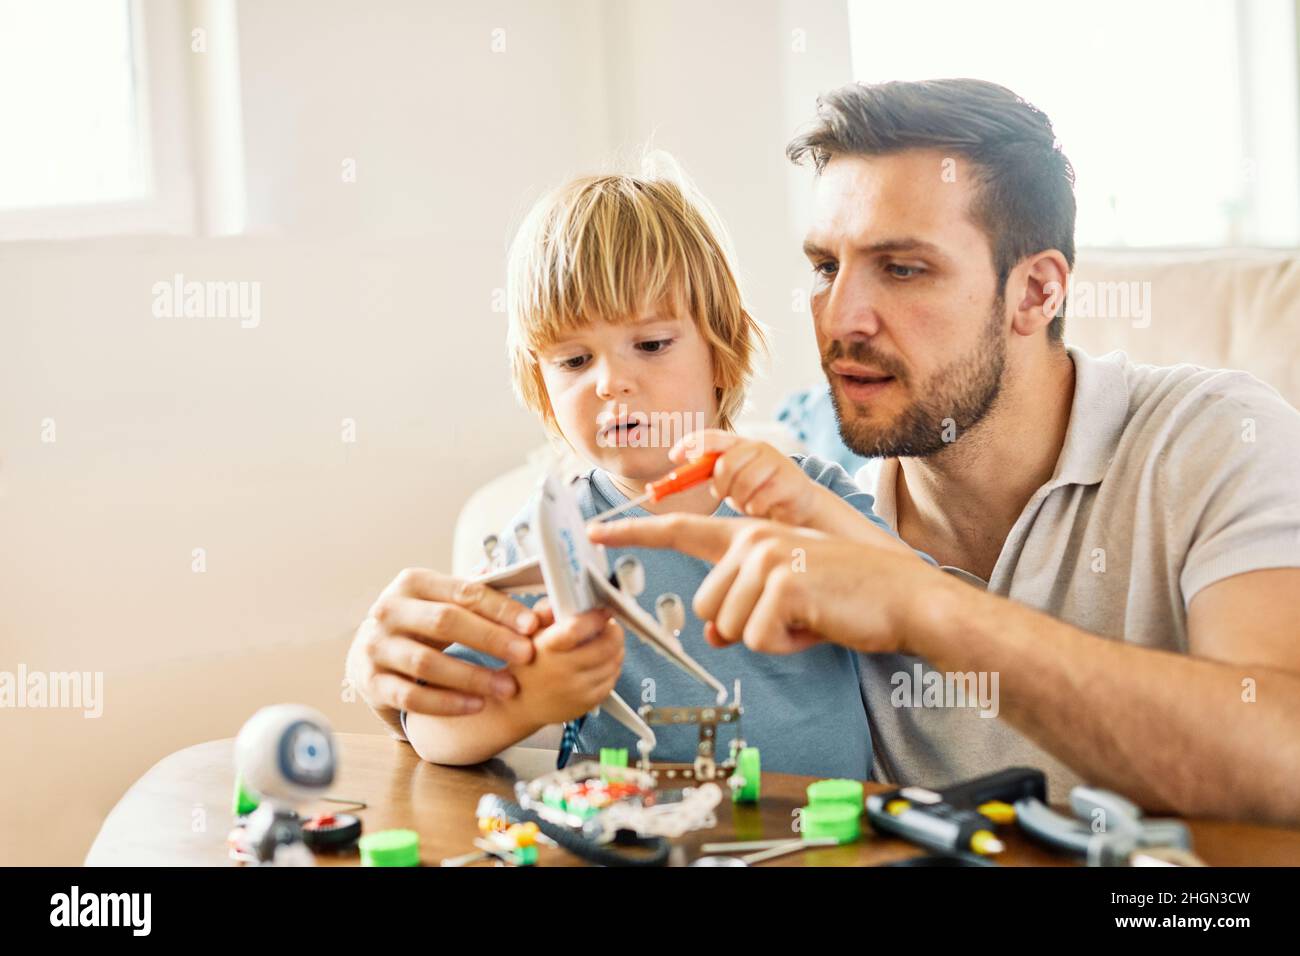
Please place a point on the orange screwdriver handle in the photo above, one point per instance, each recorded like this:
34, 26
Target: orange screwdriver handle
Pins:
687, 476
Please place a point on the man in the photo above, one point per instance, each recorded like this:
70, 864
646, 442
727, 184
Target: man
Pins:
1136, 562
1121, 500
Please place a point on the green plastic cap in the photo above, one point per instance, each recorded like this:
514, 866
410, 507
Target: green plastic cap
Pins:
526, 856
244, 802
390, 848
841, 822
613, 756
749, 768
836, 791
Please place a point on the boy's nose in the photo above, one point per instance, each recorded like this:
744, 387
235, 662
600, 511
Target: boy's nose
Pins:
612, 382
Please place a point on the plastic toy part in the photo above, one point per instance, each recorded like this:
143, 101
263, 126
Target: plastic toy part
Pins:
525, 855
327, 832
670, 612
286, 752
984, 842
244, 802
630, 574
997, 811
653, 851
695, 811
584, 799
390, 848
836, 791
839, 821
749, 774
613, 757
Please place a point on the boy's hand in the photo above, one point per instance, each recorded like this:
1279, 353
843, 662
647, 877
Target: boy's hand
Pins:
572, 670
761, 482
754, 477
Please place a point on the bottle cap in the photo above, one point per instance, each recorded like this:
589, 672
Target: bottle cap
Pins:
836, 791
839, 821
390, 848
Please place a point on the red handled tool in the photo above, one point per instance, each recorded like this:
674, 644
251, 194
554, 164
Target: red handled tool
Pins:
679, 479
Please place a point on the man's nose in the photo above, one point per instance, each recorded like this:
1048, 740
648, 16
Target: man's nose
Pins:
848, 309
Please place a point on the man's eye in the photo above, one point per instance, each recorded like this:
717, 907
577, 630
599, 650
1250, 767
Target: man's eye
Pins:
655, 345
826, 269
901, 271
572, 364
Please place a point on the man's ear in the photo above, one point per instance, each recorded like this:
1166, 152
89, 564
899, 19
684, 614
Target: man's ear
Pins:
1038, 286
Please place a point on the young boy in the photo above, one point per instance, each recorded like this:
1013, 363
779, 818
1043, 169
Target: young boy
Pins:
626, 332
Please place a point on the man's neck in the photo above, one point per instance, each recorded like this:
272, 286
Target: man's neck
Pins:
959, 505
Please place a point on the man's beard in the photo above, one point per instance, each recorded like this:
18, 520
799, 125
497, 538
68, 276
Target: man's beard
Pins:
956, 398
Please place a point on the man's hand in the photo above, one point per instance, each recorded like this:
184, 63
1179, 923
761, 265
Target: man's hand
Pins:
781, 589
415, 618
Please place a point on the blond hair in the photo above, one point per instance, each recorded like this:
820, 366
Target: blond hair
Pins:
608, 247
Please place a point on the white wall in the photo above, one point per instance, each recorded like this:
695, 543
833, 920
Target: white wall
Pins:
724, 86
175, 434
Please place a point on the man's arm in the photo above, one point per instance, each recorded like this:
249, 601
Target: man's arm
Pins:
1170, 730
1212, 733
396, 662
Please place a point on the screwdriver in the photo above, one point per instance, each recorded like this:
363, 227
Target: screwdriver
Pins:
679, 479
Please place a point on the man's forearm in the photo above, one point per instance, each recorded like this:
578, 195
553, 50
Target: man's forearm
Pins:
1169, 730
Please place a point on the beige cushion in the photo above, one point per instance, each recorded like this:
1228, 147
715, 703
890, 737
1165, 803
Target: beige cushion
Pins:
1238, 309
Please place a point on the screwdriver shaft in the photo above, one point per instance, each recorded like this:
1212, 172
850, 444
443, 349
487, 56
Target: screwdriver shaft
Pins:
688, 476
619, 509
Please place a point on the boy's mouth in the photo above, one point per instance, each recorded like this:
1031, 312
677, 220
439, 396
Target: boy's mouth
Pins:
620, 431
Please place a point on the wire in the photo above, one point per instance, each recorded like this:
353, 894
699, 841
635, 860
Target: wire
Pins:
587, 849
352, 805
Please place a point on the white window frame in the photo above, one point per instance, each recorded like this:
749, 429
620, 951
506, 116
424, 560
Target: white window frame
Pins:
184, 182
1272, 219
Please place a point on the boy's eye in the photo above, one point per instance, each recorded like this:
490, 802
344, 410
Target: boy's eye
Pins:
655, 345
574, 363
901, 271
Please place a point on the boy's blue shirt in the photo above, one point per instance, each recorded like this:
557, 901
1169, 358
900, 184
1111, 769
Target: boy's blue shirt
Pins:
803, 711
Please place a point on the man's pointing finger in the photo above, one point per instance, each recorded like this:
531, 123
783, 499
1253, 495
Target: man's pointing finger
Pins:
706, 538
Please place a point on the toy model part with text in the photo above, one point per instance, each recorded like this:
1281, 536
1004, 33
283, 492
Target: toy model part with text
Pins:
558, 559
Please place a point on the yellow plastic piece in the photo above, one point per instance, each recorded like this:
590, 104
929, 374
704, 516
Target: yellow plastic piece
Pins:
525, 834
983, 841
998, 812
896, 807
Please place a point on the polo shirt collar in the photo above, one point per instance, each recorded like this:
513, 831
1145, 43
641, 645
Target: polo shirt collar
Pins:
1098, 416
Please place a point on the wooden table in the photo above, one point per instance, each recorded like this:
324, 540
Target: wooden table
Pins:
178, 814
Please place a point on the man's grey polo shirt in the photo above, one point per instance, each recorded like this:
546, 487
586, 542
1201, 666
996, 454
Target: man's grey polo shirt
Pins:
1170, 479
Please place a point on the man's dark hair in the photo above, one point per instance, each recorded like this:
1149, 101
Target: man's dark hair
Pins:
1025, 191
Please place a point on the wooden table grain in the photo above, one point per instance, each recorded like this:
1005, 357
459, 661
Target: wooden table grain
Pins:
179, 813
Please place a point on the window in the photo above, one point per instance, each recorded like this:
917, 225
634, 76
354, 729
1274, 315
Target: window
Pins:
70, 116
110, 110
1180, 116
